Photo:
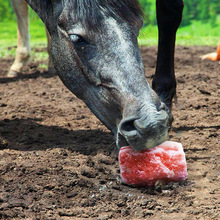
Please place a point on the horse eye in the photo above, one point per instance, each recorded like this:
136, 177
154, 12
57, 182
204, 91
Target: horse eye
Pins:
77, 39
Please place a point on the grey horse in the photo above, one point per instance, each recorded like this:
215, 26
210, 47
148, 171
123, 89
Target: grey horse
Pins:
96, 55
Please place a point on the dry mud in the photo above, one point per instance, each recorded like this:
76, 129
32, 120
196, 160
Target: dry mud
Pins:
57, 161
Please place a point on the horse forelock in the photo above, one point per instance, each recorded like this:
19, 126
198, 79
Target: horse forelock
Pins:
90, 12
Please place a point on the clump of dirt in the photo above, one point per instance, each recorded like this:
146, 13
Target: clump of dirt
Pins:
57, 161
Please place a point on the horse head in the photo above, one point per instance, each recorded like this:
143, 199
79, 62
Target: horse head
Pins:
96, 55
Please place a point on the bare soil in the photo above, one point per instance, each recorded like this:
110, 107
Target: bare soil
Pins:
57, 161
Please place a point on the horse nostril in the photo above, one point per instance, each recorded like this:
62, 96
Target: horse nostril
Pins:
128, 129
127, 125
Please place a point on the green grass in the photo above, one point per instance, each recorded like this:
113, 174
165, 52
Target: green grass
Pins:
8, 40
197, 33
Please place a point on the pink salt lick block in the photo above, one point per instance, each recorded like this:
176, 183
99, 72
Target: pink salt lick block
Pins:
165, 162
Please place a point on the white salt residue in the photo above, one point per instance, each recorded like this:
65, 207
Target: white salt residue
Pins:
156, 150
102, 188
172, 149
93, 196
163, 169
172, 144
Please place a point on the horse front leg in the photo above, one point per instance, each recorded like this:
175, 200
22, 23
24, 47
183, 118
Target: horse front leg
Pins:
23, 40
169, 16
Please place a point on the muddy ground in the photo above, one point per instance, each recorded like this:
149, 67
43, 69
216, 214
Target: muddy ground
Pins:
57, 161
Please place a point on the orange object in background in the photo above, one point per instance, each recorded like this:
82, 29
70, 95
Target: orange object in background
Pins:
215, 56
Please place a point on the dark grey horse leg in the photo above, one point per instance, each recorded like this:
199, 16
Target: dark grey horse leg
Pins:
169, 15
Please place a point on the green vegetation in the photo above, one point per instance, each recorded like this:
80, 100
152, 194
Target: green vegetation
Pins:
8, 40
200, 26
197, 33
202, 10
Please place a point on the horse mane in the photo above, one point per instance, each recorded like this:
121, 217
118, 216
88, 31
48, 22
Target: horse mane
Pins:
90, 12
127, 10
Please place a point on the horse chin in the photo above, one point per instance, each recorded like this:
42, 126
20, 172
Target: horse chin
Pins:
140, 144
122, 142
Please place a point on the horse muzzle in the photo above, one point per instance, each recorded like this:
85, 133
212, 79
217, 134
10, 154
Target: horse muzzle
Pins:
145, 129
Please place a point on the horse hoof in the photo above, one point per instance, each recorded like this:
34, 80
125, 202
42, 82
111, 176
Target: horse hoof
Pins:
12, 74
167, 97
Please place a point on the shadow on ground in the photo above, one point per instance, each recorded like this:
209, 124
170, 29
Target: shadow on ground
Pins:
30, 135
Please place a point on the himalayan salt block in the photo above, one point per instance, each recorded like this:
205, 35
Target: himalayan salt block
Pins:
165, 162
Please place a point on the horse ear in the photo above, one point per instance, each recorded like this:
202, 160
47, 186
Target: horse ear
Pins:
47, 10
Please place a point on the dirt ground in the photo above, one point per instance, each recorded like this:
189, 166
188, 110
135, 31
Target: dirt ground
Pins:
57, 161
